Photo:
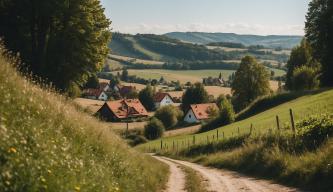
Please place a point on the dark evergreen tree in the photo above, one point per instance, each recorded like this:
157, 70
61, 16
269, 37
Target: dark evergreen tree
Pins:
196, 94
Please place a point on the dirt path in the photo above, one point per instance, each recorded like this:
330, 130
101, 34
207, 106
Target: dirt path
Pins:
228, 181
177, 176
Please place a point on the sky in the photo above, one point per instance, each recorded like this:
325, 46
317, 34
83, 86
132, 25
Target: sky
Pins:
259, 17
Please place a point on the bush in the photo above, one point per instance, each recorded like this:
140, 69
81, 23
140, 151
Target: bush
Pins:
134, 139
226, 116
169, 116
154, 129
305, 78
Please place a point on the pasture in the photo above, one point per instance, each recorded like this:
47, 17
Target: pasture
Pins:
302, 107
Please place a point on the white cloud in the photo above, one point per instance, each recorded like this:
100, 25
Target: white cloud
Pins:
240, 28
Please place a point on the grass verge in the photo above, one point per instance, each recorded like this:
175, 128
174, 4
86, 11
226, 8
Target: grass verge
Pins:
194, 181
304, 160
47, 144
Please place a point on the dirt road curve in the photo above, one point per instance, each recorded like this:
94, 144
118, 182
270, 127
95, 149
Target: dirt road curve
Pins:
177, 176
228, 181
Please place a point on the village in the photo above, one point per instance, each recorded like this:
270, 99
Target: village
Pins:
127, 108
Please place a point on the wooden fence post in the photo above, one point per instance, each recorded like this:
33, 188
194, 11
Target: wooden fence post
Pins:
238, 130
292, 121
161, 144
251, 129
173, 145
223, 134
278, 123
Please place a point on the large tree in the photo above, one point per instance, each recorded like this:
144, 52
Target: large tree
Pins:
319, 33
300, 56
196, 94
251, 81
61, 41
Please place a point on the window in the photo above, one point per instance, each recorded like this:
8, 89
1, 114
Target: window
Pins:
189, 116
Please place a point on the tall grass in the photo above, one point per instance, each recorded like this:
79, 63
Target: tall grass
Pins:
304, 159
46, 144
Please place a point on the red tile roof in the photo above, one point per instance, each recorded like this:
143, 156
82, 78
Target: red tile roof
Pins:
102, 85
158, 97
126, 108
93, 92
201, 111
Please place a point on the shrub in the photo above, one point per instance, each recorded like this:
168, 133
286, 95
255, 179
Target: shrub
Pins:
305, 78
169, 116
134, 139
154, 129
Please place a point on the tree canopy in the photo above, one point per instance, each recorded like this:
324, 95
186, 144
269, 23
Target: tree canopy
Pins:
62, 42
319, 33
146, 96
196, 94
251, 81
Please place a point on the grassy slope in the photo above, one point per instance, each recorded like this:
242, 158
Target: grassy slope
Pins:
47, 144
262, 122
137, 46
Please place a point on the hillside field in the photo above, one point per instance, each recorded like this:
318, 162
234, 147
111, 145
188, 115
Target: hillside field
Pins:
302, 107
49, 144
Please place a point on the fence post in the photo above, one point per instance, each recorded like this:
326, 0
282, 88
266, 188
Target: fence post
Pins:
223, 134
238, 130
278, 123
251, 129
161, 144
173, 145
193, 139
292, 121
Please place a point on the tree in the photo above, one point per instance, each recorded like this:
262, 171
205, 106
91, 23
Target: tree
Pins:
132, 94
300, 56
92, 82
154, 129
319, 34
305, 78
146, 96
196, 94
62, 42
169, 116
124, 75
251, 81
224, 117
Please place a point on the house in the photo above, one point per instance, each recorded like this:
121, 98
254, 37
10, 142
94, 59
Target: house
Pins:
199, 112
97, 94
121, 110
104, 86
162, 99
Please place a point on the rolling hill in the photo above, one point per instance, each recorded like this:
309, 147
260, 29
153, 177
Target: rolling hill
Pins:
271, 41
48, 143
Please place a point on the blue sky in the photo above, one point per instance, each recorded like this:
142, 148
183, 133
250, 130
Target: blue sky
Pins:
262, 17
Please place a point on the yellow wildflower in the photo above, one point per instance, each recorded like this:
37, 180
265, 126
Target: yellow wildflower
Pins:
77, 188
12, 150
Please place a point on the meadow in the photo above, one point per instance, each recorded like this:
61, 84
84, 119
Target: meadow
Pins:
47, 143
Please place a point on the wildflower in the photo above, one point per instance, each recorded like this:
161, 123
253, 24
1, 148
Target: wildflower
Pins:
49, 171
7, 183
12, 150
77, 188
43, 179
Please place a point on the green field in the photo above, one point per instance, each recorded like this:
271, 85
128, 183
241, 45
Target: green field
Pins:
49, 144
302, 107
182, 76
185, 75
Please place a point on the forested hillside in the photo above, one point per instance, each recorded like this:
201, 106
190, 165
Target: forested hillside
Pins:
271, 41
